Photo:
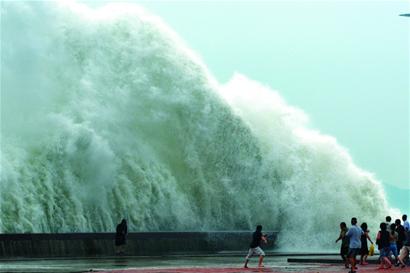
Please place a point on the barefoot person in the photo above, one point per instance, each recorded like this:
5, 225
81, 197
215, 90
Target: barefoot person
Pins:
255, 247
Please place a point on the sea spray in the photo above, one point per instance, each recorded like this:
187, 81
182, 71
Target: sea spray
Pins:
106, 113
320, 185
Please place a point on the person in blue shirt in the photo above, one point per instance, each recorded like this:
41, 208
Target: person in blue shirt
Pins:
354, 233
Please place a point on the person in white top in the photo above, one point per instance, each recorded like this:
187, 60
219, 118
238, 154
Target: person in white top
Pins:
388, 223
406, 223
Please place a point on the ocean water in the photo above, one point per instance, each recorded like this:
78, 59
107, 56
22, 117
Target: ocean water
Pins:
107, 114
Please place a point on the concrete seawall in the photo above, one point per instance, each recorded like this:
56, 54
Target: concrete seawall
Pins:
138, 243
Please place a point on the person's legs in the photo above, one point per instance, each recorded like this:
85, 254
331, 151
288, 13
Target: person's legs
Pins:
246, 263
381, 259
122, 249
404, 252
261, 254
352, 258
393, 251
386, 257
361, 259
250, 253
343, 254
364, 260
353, 262
399, 246
260, 264
387, 262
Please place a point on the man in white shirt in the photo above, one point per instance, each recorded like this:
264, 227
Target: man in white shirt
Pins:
406, 223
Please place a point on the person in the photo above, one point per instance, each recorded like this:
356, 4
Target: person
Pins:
354, 234
405, 250
344, 247
393, 236
364, 250
120, 237
401, 234
382, 242
406, 223
388, 223
255, 246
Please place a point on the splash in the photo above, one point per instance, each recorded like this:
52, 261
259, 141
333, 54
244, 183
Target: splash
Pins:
107, 113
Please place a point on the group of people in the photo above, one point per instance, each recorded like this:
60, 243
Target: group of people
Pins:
392, 239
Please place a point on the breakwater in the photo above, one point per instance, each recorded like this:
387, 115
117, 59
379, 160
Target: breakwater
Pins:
138, 243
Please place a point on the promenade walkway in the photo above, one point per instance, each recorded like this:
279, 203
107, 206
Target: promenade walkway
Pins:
223, 263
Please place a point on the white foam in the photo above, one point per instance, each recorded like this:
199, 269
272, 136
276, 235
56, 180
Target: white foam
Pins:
107, 113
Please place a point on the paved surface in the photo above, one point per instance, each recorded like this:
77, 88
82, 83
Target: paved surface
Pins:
182, 264
320, 269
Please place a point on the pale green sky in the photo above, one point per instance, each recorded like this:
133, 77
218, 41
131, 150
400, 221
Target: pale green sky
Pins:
346, 64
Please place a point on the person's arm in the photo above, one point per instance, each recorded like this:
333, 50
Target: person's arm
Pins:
340, 237
264, 238
349, 233
378, 238
368, 237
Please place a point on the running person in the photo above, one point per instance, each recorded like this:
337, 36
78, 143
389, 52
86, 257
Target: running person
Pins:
255, 247
354, 233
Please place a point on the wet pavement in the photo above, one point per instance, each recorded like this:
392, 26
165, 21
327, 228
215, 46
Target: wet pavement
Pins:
185, 264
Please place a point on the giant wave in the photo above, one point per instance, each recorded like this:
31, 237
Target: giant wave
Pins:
106, 113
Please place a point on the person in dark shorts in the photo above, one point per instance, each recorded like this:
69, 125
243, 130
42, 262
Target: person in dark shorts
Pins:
354, 234
120, 237
364, 250
255, 247
344, 248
